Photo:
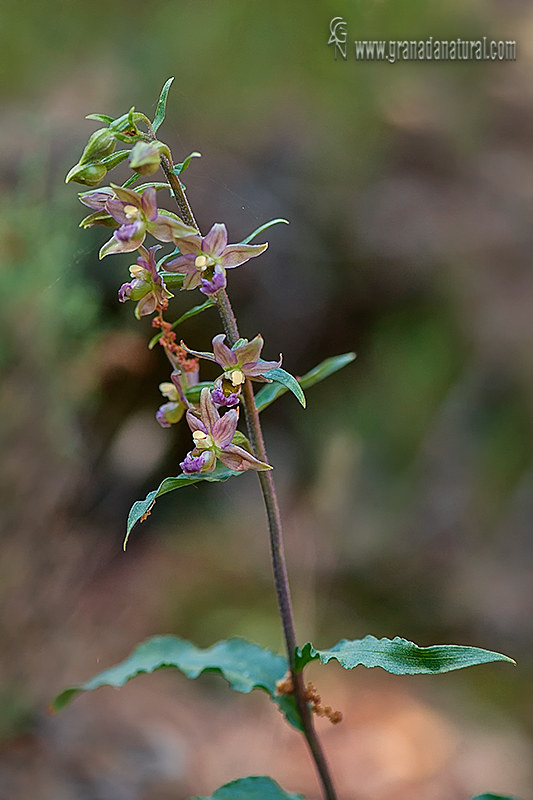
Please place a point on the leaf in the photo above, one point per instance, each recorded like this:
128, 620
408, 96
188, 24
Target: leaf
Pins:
179, 168
268, 394
262, 228
243, 664
100, 118
115, 158
193, 393
192, 312
253, 788
142, 508
286, 379
493, 797
398, 656
161, 106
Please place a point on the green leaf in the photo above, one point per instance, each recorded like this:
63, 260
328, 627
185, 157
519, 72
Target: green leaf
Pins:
131, 180
157, 185
161, 105
286, 379
100, 118
115, 158
192, 312
179, 168
268, 394
494, 797
172, 279
254, 788
262, 228
193, 392
142, 508
244, 665
398, 656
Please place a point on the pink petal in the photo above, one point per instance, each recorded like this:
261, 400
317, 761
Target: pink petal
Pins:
128, 196
183, 264
192, 281
208, 411
115, 245
194, 423
240, 460
236, 254
189, 244
224, 429
149, 204
263, 366
223, 355
216, 240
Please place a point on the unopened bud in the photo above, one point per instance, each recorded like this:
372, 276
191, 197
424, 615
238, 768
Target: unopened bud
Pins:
145, 157
100, 144
87, 174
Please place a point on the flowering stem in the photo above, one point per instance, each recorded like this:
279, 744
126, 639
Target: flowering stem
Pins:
278, 556
179, 193
272, 510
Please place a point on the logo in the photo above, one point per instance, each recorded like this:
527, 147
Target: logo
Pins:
338, 36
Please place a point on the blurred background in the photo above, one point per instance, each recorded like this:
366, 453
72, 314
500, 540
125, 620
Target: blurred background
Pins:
407, 484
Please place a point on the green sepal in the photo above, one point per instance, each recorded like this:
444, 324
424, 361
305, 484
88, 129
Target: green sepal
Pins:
287, 380
98, 218
398, 656
262, 228
192, 312
242, 441
161, 106
268, 394
172, 279
179, 168
142, 508
245, 665
115, 158
253, 788
193, 393
100, 118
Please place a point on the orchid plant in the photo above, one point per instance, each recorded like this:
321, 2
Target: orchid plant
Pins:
220, 451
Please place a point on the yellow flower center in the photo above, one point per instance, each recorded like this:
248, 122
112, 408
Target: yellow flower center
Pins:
200, 262
131, 212
237, 377
202, 440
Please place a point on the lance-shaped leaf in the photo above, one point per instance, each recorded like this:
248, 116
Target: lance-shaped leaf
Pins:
243, 664
262, 228
142, 508
272, 391
161, 106
182, 166
494, 797
287, 380
253, 788
398, 656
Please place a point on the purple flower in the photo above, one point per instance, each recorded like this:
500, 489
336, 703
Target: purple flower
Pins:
224, 393
204, 260
240, 361
213, 436
171, 412
147, 285
137, 215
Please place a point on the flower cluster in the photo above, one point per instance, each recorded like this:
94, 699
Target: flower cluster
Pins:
213, 437
197, 262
